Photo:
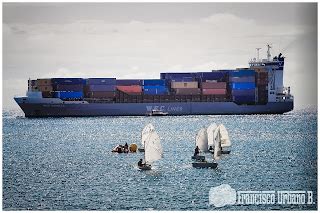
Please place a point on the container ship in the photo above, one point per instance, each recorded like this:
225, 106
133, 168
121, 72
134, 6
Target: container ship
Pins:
257, 89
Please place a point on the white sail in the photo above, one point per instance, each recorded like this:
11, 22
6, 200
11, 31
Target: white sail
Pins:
217, 144
224, 136
202, 140
210, 131
153, 149
145, 132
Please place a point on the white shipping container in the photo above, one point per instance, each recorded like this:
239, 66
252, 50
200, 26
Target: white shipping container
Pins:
193, 84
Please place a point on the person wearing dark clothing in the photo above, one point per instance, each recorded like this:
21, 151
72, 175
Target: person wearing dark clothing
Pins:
196, 151
140, 163
210, 149
126, 148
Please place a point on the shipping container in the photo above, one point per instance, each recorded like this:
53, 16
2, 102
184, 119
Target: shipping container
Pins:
193, 84
130, 89
128, 82
243, 92
100, 88
262, 78
47, 94
214, 91
213, 85
260, 69
65, 81
244, 99
47, 88
216, 75
154, 82
242, 73
184, 79
242, 79
187, 91
100, 94
43, 82
247, 85
68, 95
107, 81
156, 90
68, 87
179, 75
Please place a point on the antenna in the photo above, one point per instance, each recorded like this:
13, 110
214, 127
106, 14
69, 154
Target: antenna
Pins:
258, 49
268, 52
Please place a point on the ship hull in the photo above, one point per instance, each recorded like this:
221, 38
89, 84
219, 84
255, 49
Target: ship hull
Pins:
34, 109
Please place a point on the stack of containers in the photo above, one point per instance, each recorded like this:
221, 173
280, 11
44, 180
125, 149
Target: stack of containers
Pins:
214, 88
213, 83
101, 88
185, 88
45, 86
129, 86
242, 85
155, 87
262, 84
68, 88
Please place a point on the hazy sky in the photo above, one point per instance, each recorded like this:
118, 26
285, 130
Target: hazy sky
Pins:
140, 40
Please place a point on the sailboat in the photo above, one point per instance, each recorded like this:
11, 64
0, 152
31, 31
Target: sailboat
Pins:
224, 138
144, 134
210, 131
153, 150
201, 143
216, 155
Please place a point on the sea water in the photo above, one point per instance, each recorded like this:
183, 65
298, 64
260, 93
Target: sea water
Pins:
67, 163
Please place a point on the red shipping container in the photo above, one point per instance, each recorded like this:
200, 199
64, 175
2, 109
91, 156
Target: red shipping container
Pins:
187, 91
214, 91
134, 89
213, 85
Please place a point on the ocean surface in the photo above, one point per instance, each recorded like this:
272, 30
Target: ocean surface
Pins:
67, 164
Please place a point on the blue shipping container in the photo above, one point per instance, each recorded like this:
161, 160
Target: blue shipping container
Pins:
244, 99
101, 87
178, 75
107, 81
184, 79
243, 92
242, 79
242, 73
217, 75
247, 85
155, 90
154, 82
128, 82
68, 95
68, 81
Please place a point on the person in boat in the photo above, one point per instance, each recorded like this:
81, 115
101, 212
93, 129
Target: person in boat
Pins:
210, 149
119, 149
126, 148
196, 151
140, 164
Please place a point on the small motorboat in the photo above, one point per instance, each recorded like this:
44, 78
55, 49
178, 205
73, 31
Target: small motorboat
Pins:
156, 112
153, 150
204, 164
